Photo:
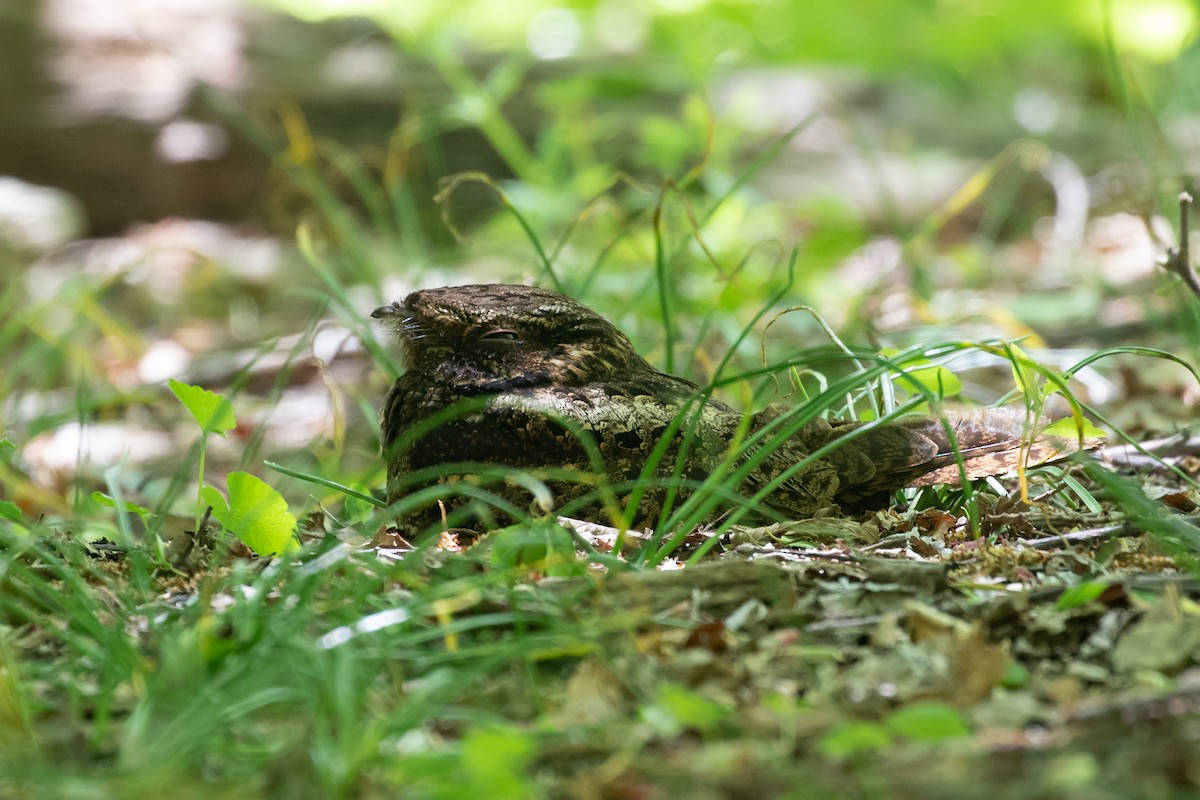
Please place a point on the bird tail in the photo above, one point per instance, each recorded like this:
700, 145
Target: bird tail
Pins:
918, 450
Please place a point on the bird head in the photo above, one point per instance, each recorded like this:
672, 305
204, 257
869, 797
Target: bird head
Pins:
488, 338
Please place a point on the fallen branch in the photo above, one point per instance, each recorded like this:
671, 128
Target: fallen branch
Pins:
1089, 535
1179, 260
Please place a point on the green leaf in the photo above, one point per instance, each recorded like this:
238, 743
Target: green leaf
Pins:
126, 505
256, 514
539, 546
6, 448
937, 379
1025, 370
1080, 594
687, 709
853, 738
1068, 428
927, 722
496, 761
9, 510
212, 412
1016, 676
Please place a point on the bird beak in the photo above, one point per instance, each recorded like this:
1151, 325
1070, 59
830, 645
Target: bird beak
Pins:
390, 310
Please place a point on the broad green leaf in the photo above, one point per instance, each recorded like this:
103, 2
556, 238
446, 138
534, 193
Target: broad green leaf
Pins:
541, 546
1080, 594
852, 738
496, 761
937, 379
928, 721
256, 514
1067, 427
9, 510
6, 447
1016, 676
132, 508
685, 708
212, 412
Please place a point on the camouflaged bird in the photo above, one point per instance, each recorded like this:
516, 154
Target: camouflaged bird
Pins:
520, 377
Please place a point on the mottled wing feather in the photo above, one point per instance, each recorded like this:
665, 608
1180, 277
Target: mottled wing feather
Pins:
555, 359
1000, 462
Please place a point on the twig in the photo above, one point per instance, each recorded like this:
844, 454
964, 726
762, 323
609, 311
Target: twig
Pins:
204, 521
1092, 534
1151, 451
1179, 260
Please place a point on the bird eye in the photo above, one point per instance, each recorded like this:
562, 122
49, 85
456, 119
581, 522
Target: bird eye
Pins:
500, 335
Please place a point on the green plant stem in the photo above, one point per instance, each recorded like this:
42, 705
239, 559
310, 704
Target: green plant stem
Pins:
200, 479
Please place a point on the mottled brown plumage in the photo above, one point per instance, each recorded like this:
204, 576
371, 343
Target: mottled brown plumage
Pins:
523, 377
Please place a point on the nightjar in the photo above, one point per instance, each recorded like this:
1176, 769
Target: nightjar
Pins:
509, 389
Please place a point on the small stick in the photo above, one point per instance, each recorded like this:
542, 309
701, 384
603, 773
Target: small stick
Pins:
204, 521
1179, 260
1076, 537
